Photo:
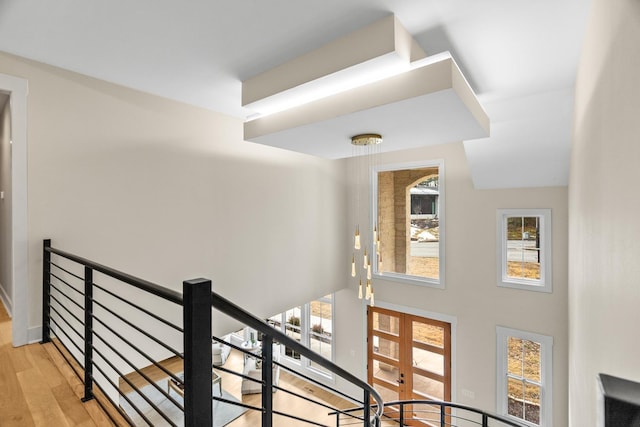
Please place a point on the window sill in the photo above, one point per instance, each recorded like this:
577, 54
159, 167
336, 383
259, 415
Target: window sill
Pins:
410, 280
526, 285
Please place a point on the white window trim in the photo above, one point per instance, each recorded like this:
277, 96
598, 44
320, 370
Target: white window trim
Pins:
407, 278
545, 283
546, 373
304, 364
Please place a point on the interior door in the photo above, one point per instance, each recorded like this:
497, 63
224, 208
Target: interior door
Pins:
409, 357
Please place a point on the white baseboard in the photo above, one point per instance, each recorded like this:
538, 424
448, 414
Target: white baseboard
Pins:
34, 334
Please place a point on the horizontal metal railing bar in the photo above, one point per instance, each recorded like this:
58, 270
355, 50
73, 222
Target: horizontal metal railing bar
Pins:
130, 383
350, 423
142, 353
259, 381
314, 381
235, 403
117, 388
61, 329
61, 280
308, 399
144, 310
142, 284
230, 309
235, 347
67, 271
66, 359
350, 417
67, 310
52, 308
67, 297
222, 305
448, 405
130, 324
142, 374
293, 417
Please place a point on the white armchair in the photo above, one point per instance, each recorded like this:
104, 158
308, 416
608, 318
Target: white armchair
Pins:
220, 352
255, 372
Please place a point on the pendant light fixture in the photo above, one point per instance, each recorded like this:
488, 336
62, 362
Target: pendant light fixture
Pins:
365, 150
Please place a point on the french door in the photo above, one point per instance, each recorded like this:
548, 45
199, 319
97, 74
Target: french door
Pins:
409, 357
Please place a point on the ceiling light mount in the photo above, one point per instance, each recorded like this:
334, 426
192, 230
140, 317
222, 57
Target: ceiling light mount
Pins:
366, 139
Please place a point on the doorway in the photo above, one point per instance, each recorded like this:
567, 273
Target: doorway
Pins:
408, 357
17, 89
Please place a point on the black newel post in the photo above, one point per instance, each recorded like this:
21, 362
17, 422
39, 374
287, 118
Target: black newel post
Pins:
88, 334
46, 292
198, 405
267, 381
366, 414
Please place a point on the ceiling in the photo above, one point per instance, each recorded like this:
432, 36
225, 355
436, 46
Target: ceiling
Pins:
520, 57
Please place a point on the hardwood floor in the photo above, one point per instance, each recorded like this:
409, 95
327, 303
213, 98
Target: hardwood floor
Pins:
33, 392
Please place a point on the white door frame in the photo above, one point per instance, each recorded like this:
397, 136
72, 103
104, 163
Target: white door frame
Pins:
18, 89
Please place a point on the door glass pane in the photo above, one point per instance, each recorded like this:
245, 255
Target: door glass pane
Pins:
385, 347
428, 387
428, 334
386, 323
428, 361
388, 395
386, 372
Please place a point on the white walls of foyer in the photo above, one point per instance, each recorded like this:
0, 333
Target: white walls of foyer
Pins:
603, 208
170, 192
471, 295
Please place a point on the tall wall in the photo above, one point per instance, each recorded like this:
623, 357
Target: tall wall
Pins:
169, 192
472, 298
603, 207
6, 290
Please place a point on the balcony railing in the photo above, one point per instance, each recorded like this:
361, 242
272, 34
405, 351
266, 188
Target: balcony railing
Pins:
433, 413
118, 332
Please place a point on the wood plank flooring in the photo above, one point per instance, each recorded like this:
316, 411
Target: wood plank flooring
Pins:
33, 392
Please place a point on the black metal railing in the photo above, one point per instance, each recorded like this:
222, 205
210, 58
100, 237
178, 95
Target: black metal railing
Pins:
433, 413
108, 327
94, 313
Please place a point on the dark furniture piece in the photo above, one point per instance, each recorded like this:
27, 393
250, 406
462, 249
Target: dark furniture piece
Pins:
621, 402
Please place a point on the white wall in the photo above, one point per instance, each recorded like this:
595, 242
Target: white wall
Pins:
472, 295
169, 192
604, 205
6, 288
